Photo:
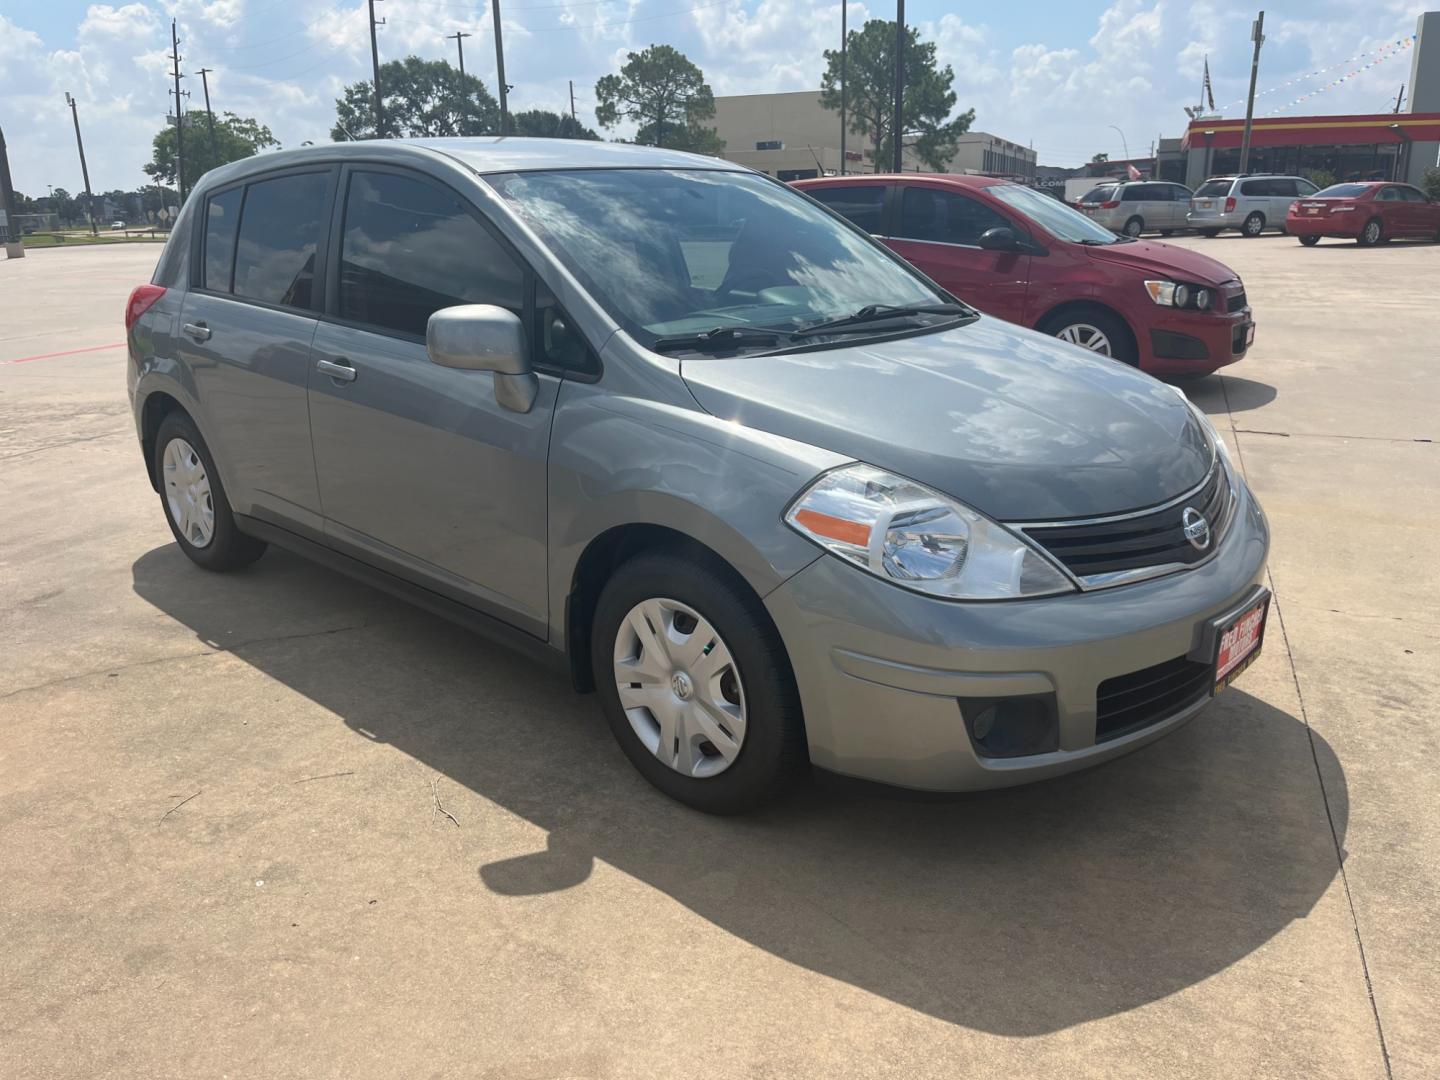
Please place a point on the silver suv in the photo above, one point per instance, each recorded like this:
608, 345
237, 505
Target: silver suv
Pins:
717, 454
1137, 206
1251, 204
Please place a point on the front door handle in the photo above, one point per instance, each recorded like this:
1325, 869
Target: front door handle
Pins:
198, 331
337, 369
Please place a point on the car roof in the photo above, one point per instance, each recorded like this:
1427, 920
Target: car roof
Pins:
957, 179
483, 154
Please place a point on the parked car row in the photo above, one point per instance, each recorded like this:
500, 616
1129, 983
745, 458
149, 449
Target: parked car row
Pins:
771, 491
1367, 213
1030, 259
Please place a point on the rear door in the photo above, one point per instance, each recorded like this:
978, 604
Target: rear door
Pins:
245, 334
1179, 205
420, 468
938, 229
1283, 192
1427, 213
1393, 211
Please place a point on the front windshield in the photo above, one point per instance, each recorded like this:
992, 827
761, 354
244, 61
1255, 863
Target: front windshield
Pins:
1061, 221
672, 252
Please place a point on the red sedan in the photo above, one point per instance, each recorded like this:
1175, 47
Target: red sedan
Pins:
1366, 213
1030, 259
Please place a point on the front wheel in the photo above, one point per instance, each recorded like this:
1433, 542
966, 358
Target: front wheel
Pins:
1309, 241
1254, 225
1371, 234
696, 684
194, 500
1098, 331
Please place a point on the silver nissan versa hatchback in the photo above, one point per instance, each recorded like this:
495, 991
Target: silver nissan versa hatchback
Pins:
772, 494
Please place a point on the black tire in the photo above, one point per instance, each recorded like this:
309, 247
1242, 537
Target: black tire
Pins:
228, 548
773, 754
1166, 232
1134, 227
1253, 225
1309, 241
1211, 233
1372, 233
1122, 343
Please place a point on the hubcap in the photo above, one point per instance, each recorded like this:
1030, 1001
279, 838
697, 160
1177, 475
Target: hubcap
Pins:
1253, 226
680, 687
187, 493
1087, 337
1372, 232
1132, 228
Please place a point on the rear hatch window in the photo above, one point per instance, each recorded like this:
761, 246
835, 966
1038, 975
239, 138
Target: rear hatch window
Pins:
1212, 188
1099, 194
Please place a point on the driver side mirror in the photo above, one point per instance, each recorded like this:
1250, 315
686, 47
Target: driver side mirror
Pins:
483, 337
999, 238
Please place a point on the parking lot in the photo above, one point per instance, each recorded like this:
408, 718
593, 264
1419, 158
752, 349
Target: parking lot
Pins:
274, 823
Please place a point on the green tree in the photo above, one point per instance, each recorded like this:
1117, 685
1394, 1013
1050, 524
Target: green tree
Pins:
422, 99
663, 92
543, 124
1431, 183
236, 137
870, 94
692, 138
62, 205
1100, 158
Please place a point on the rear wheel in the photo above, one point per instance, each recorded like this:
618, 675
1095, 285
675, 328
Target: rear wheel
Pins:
1134, 227
696, 685
1371, 234
1254, 225
1309, 241
1098, 331
194, 500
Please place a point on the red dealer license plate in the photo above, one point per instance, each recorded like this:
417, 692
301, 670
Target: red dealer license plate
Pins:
1240, 643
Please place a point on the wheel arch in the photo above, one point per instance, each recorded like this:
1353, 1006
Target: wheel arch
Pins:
157, 405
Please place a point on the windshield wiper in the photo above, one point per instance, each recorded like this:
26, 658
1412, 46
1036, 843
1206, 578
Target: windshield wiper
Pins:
716, 339
876, 312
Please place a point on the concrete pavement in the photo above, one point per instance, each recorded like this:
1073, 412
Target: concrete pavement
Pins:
276, 824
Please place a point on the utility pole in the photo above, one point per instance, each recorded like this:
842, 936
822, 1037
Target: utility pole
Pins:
1257, 35
500, 69
375, 69
84, 169
898, 124
209, 116
844, 76
572, 102
14, 246
460, 36
1400, 97
179, 114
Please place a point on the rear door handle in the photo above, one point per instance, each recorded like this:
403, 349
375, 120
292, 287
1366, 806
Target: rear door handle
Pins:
198, 331
337, 369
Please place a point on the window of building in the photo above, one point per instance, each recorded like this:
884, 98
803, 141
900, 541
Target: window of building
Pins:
279, 232
945, 217
222, 215
409, 248
770, 144
862, 204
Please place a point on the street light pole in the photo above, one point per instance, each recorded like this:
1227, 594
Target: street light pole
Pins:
84, 169
1257, 35
209, 116
844, 74
460, 36
1123, 143
898, 124
375, 71
500, 69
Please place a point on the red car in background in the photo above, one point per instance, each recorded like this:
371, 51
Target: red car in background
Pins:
1366, 212
1030, 259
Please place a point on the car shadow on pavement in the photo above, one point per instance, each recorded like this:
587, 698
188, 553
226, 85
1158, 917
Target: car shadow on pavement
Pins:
1017, 912
1222, 392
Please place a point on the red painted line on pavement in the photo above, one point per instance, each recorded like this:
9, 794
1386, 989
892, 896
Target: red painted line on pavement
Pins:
67, 352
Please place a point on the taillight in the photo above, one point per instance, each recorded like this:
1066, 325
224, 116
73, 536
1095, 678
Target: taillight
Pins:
1294, 207
1111, 205
141, 301
1230, 204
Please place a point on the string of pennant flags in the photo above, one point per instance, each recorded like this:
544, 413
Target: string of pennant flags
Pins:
1374, 56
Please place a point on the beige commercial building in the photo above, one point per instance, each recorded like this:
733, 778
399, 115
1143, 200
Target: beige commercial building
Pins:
793, 137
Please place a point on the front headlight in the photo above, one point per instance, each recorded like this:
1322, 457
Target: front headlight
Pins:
912, 535
1179, 295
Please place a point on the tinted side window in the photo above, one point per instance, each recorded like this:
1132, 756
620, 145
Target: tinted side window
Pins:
279, 233
1285, 187
1390, 194
222, 215
1413, 195
556, 342
409, 249
1135, 193
861, 204
945, 217
1305, 187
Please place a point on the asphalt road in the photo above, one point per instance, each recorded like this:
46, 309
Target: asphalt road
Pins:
276, 824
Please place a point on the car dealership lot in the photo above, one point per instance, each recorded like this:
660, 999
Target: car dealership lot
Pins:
275, 823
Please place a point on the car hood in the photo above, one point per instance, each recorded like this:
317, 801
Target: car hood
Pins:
1176, 263
1012, 422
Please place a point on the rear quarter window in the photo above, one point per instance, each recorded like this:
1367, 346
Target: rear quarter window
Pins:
222, 220
862, 204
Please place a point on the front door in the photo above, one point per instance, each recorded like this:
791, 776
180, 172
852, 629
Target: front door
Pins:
939, 231
419, 466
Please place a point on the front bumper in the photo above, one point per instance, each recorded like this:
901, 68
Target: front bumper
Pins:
882, 670
1178, 342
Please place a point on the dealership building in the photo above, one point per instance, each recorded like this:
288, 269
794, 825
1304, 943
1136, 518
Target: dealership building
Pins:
794, 137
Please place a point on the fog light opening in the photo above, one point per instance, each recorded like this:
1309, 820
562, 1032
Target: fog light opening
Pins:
1012, 726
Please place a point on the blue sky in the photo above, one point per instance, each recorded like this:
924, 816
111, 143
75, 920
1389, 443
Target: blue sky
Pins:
1052, 74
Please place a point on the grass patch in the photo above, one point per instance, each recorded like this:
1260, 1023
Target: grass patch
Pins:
41, 240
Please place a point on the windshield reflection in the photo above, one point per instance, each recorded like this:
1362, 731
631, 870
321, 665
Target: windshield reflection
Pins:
674, 251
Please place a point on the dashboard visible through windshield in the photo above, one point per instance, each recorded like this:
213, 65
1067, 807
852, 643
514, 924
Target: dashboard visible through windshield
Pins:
680, 255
